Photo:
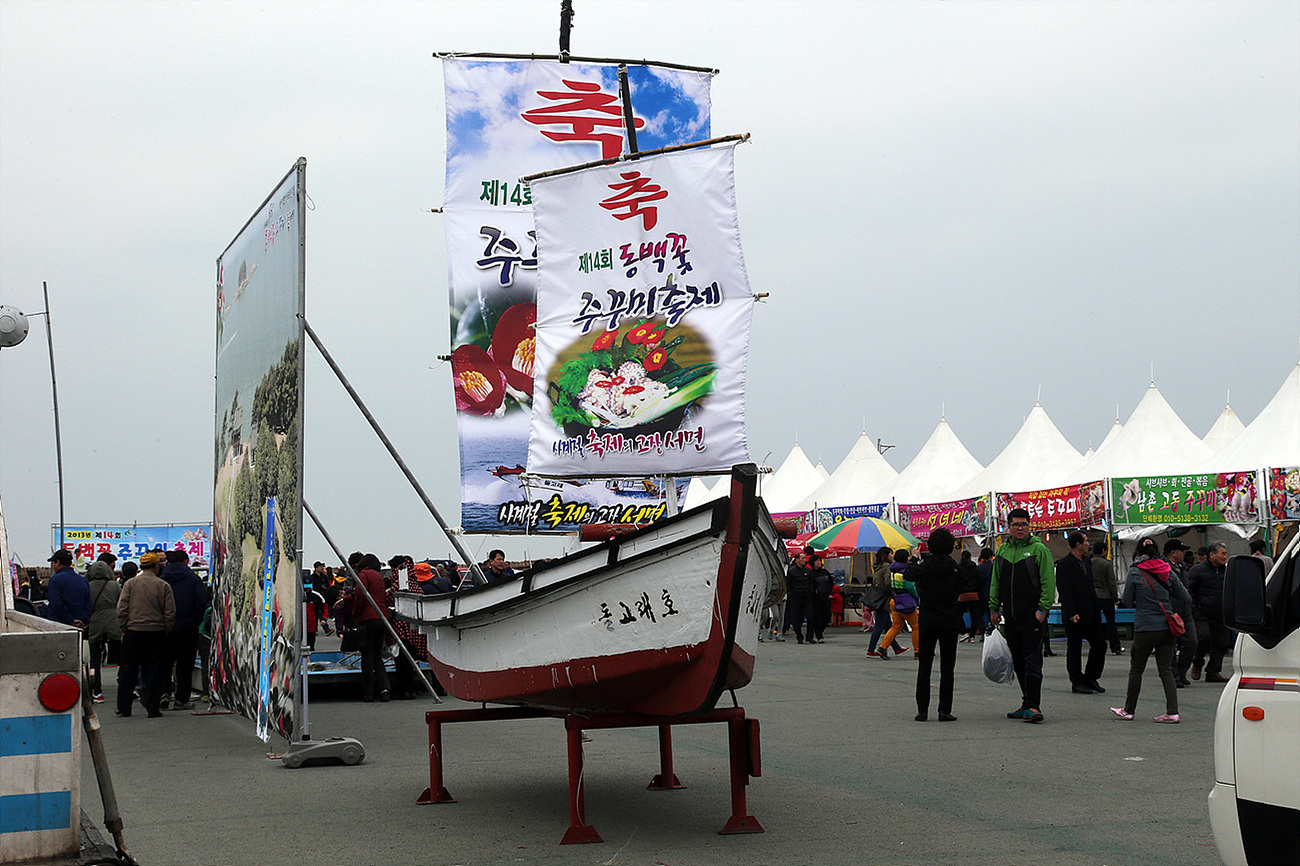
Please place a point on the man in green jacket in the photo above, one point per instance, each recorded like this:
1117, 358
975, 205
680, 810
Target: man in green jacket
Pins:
1023, 589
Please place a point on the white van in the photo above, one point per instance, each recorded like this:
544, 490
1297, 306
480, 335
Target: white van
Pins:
1255, 804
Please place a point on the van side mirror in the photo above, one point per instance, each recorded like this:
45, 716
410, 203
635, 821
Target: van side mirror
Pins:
1244, 607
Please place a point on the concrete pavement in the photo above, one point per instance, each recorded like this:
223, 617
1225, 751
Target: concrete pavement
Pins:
848, 777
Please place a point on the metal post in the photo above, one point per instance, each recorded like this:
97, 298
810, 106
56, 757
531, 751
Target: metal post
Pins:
666, 780
566, 25
304, 728
401, 464
629, 122
54, 385
579, 832
383, 615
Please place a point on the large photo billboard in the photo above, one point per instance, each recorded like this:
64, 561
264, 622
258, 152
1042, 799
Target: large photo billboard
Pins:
259, 460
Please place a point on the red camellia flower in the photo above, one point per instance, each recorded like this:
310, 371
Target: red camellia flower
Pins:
514, 342
653, 337
480, 387
637, 335
655, 359
604, 341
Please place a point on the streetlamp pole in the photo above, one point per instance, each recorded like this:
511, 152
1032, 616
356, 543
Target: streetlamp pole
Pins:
58, 439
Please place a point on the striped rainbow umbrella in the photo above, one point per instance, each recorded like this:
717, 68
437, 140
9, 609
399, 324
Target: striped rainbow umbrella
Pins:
862, 534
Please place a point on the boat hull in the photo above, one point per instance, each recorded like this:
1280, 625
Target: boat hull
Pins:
661, 621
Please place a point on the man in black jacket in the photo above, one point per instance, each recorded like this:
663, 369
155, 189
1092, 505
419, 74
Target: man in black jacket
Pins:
799, 596
1205, 583
938, 582
191, 596
1081, 616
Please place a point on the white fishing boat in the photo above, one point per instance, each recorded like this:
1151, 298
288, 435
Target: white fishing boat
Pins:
660, 621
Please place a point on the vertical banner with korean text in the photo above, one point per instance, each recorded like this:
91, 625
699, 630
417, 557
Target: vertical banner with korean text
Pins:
640, 368
962, 517
258, 451
1205, 498
506, 119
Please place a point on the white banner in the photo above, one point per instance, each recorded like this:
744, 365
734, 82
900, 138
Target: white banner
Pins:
505, 119
643, 316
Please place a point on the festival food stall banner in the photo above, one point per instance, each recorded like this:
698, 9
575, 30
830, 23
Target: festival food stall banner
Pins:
1284, 493
1074, 506
824, 518
640, 370
506, 119
127, 543
260, 298
964, 517
1225, 497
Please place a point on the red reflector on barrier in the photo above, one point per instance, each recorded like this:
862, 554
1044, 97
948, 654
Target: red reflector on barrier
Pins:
59, 692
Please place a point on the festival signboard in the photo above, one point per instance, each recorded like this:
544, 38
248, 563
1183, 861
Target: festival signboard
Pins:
640, 369
1284, 493
260, 281
128, 542
506, 119
1206, 498
824, 518
1070, 507
963, 517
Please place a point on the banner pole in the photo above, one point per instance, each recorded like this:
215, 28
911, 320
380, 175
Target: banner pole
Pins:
479, 578
383, 615
629, 120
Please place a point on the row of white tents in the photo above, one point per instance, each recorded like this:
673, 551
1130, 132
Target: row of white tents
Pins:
1153, 441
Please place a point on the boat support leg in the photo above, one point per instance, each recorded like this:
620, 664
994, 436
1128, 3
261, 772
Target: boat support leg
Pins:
742, 736
666, 780
435, 719
579, 830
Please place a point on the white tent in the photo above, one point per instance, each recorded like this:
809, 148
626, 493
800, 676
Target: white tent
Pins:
1272, 439
1036, 458
794, 479
1226, 428
1154, 441
941, 466
821, 470
1110, 434
697, 493
858, 480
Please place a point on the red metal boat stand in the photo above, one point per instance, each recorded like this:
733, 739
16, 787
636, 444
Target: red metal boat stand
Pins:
742, 735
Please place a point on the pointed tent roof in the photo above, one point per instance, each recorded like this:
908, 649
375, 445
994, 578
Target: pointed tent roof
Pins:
821, 470
1226, 428
1036, 458
1110, 434
697, 493
858, 480
1272, 439
1154, 441
794, 479
941, 466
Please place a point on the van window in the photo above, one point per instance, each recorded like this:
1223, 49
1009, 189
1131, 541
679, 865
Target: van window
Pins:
1283, 593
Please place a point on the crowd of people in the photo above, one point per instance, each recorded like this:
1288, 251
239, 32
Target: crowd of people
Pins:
151, 619
941, 600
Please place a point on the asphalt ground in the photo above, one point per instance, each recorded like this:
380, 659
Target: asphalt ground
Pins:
847, 777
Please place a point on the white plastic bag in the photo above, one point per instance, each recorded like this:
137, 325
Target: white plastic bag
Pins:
997, 659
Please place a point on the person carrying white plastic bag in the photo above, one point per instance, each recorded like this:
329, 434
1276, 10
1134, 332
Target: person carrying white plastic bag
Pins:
998, 665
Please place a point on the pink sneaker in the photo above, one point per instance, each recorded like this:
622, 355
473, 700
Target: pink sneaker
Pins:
1166, 719
1122, 713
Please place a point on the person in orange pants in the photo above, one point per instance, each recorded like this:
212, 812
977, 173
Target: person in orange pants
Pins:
902, 606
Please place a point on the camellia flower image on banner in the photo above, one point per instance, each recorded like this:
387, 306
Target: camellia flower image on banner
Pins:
506, 119
640, 368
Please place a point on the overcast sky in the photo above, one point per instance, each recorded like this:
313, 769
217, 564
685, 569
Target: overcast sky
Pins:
952, 205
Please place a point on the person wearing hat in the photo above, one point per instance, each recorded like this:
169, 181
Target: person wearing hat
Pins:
191, 597
1175, 555
146, 612
430, 580
68, 600
103, 631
